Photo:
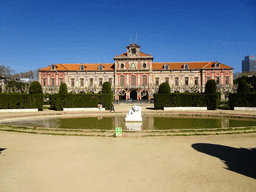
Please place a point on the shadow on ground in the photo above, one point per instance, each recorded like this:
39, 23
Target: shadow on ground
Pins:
239, 160
2, 149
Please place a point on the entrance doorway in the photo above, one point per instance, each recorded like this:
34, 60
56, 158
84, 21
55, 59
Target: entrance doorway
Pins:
122, 95
144, 95
133, 95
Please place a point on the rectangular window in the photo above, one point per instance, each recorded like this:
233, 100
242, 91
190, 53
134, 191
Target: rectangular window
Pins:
186, 80
44, 82
52, 82
176, 81
157, 81
227, 80
61, 81
72, 82
100, 81
207, 79
167, 79
110, 81
217, 80
91, 82
122, 80
144, 80
196, 80
81, 82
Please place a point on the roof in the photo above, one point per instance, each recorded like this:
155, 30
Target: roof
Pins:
191, 65
76, 67
155, 66
125, 54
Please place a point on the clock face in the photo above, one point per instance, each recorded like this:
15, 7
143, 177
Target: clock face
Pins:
133, 51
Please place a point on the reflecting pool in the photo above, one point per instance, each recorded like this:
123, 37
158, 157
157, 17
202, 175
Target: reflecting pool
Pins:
148, 123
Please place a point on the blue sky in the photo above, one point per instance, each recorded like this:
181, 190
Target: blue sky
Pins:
37, 33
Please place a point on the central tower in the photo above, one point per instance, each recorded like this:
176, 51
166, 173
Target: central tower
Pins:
133, 50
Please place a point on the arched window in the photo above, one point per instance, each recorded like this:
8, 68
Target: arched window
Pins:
166, 67
185, 66
100, 67
144, 80
133, 80
122, 80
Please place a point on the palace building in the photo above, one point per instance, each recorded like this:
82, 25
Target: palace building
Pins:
134, 75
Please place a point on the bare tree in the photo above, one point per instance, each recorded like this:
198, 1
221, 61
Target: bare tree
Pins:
6, 71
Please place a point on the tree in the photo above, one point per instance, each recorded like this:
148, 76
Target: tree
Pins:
106, 88
5, 71
164, 88
210, 87
63, 88
16, 87
35, 88
243, 87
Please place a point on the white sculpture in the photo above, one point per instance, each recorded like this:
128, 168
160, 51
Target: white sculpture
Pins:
134, 114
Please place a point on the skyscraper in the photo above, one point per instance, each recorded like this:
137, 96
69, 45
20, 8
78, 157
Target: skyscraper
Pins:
249, 64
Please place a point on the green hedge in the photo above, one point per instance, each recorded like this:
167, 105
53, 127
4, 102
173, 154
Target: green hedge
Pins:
21, 101
69, 100
186, 100
242, 100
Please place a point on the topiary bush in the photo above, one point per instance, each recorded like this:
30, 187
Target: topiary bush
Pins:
164, 88
63, 88
243, 87
35, 88
106, 88
210, 87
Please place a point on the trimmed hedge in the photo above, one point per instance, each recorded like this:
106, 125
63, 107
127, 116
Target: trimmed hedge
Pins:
69, 100
210, 87
63, 88
243, 87
242, 100
21, 101
164, 88
186, 100
35, 88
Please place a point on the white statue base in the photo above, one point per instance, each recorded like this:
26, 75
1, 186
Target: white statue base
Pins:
134, 114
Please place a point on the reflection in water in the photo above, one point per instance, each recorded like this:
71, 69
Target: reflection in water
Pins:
224, 122
133, 126
148, 123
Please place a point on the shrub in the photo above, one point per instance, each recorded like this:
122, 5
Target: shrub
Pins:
242, 100
210, 87
35, 88
164, 88
63, 88
243, 87
106, 88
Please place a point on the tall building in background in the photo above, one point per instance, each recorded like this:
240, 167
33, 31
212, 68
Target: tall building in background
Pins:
249, 64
